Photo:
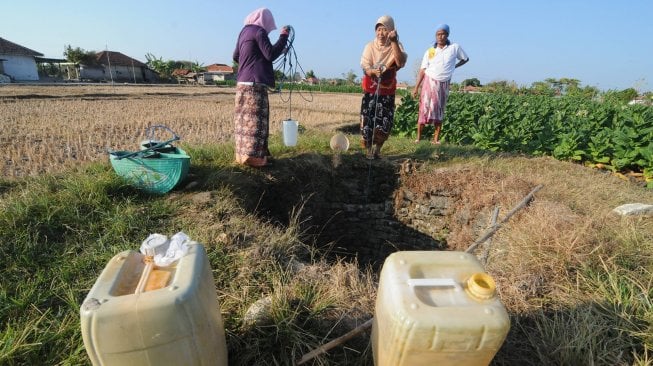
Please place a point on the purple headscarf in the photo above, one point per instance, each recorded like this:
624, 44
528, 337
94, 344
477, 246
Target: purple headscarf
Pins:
263, 18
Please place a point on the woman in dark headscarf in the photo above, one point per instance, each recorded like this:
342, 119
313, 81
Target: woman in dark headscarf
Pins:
254, 54
381, 59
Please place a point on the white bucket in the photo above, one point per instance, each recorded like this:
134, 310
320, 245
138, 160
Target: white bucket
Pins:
290, 132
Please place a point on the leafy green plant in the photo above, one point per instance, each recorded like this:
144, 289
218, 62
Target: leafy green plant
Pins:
406, 117
568, 128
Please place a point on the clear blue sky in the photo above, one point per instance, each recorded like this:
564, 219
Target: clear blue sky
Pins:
606, 44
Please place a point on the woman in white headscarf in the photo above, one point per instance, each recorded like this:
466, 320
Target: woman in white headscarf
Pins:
380, 61
254, 54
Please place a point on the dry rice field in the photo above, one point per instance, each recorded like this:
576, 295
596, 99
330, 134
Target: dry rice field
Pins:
46, 128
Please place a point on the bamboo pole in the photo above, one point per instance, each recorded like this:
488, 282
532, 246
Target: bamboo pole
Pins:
486, 249
342, 339
489, 232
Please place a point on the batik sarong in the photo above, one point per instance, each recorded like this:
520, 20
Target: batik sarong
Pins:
432, 101
377, 119
252, 126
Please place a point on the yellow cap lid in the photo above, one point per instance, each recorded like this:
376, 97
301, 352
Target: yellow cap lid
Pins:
481, 286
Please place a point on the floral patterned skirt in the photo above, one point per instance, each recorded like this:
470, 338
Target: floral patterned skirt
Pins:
377, 119
252, 124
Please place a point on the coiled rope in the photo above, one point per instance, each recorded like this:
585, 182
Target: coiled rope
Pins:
289, 66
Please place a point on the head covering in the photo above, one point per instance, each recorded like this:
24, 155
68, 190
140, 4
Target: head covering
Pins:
263, 18
387, 22
376, 53
443, 27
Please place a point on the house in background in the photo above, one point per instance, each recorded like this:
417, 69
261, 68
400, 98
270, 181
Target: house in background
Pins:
111, 66
185, 76
18, 62
216, 72
311, 81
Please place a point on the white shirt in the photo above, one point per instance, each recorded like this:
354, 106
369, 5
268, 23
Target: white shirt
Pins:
439, 63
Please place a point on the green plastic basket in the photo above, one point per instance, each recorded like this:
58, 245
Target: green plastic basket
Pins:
154, 172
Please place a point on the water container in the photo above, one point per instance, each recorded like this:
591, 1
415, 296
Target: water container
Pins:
290, 132
436, 308
139, 314
339, 142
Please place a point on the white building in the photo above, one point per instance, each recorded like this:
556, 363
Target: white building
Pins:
216, 72
18, 62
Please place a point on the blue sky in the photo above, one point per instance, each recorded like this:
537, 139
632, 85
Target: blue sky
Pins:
606, 44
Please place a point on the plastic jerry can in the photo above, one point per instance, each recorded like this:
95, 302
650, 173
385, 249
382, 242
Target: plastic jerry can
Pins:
436, 308
290, 130
139, 314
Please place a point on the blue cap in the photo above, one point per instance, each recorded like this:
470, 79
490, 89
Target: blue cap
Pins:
443, 27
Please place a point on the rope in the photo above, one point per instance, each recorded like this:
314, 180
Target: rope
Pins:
370, 150
286, 66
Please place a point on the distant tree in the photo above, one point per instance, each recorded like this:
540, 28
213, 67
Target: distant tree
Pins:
629, 94
310, 74
197, 67
555, 85
80, 56
163, 68
588, 92
471, 82
563, 85
502, 86
350, 77
619, 96
542, 88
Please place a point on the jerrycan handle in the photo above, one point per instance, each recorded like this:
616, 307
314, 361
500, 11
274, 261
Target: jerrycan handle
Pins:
433, 282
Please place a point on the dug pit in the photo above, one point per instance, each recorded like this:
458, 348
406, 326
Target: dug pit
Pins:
353, 207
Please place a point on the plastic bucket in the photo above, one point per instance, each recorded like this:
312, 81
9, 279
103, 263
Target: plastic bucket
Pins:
290, 132
339, 142
436, 308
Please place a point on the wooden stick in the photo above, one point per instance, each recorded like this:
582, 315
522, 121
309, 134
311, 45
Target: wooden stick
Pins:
342, 339
488, 233
149, 263
488, 242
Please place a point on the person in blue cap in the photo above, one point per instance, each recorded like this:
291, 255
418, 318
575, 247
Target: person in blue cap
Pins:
433, 79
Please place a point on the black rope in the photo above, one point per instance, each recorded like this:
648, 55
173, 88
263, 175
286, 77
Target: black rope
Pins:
289, 65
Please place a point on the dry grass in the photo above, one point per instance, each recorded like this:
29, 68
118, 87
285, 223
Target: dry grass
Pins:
49, 128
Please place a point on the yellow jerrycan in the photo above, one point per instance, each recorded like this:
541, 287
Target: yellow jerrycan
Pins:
139, 314
436, 308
